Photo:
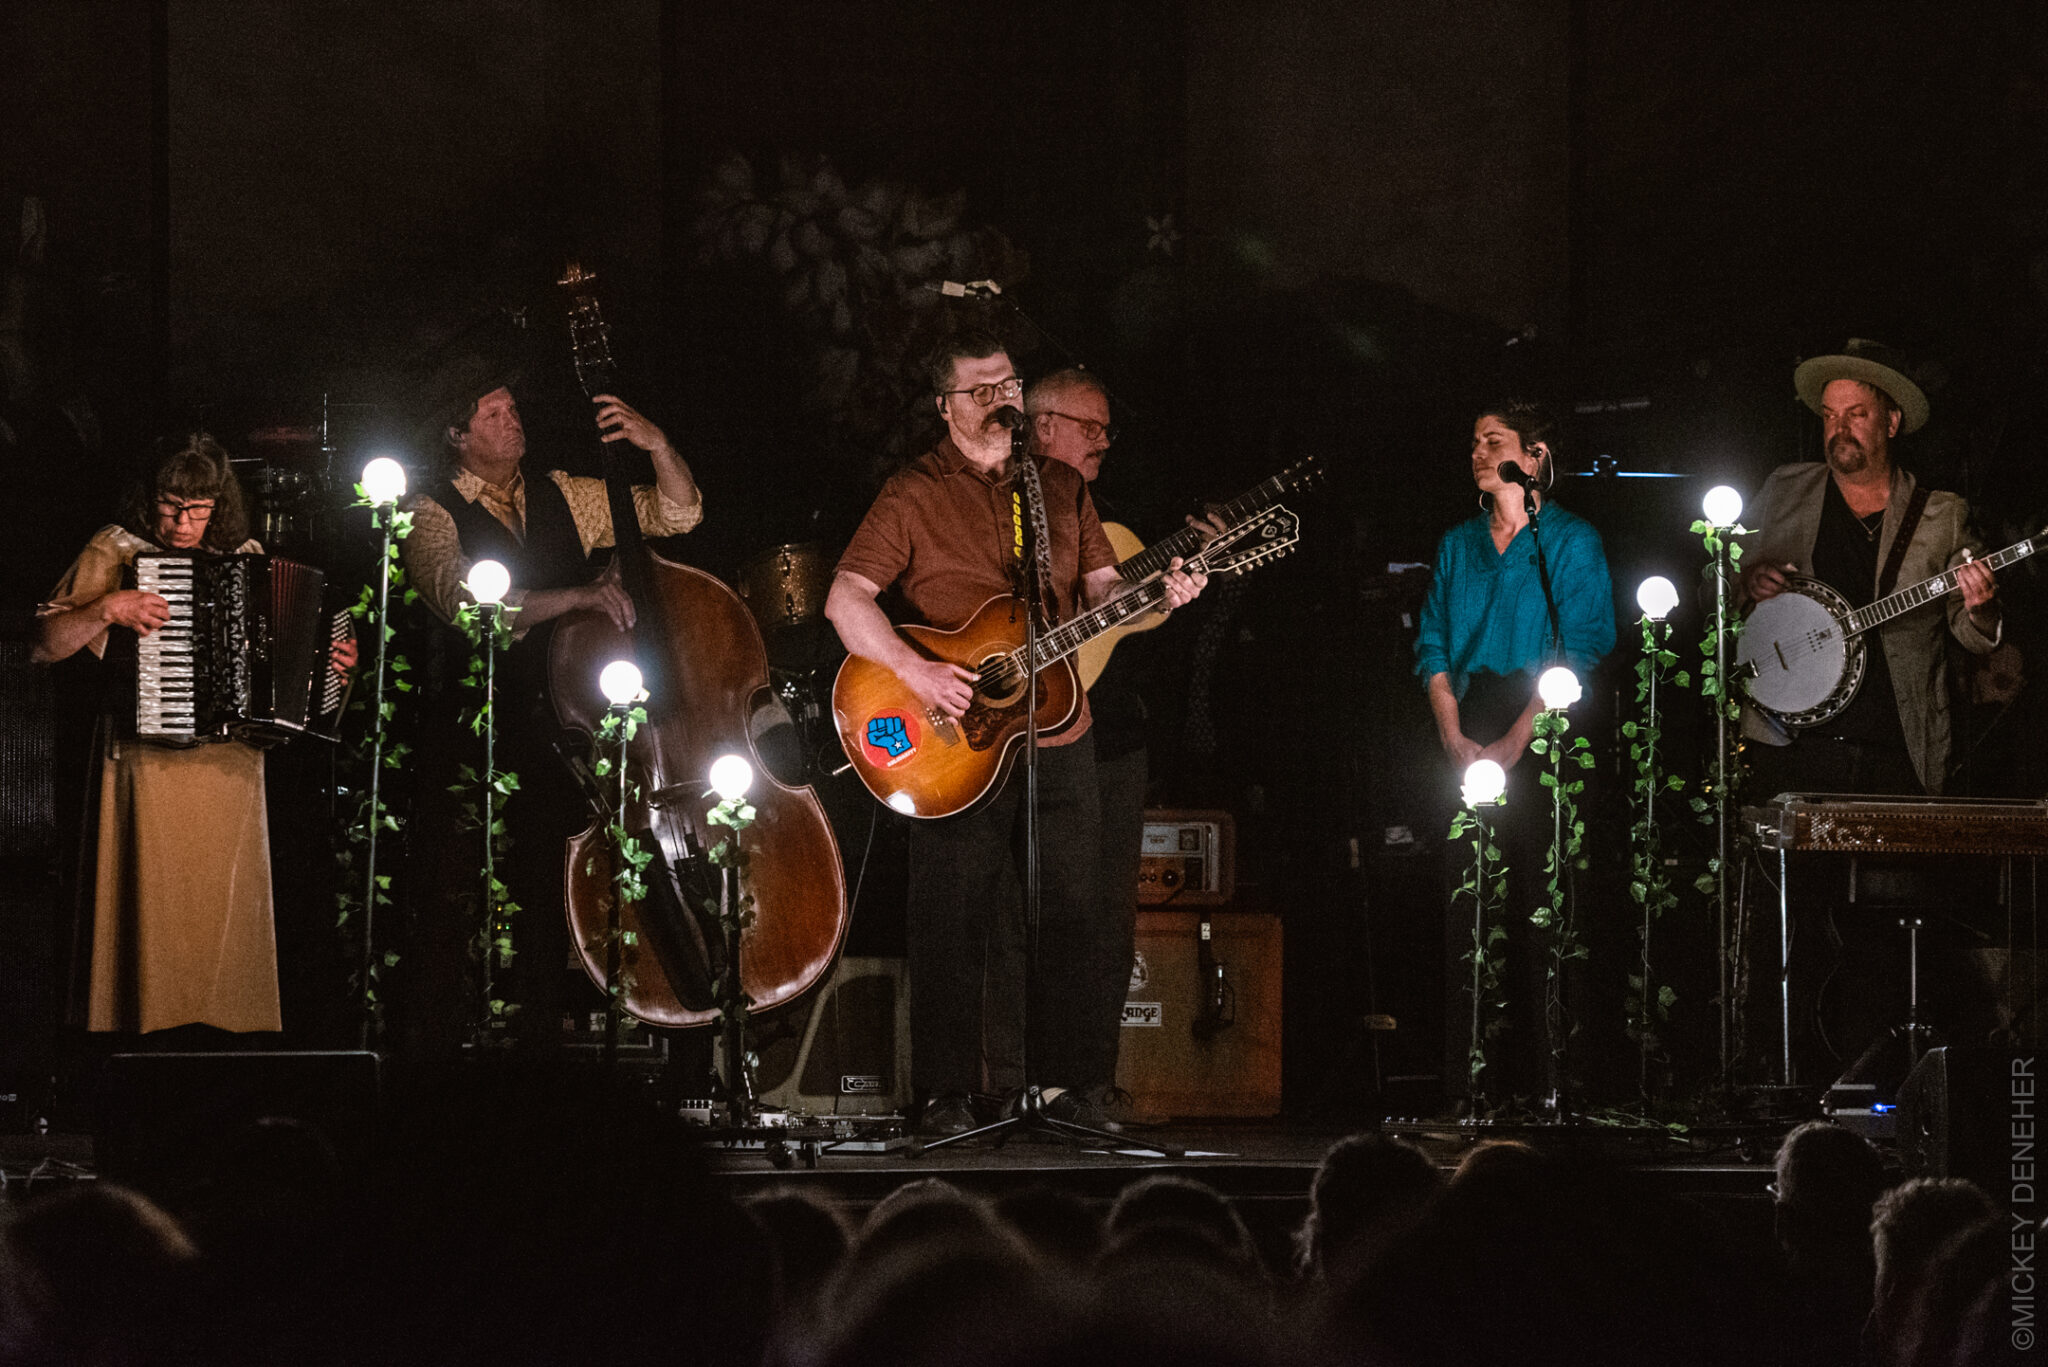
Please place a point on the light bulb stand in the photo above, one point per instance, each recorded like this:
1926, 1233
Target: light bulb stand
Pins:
1476, 820
1721, 698
385, 518
491, 616
1558, 931
615, 932
739, 1081
1656, 631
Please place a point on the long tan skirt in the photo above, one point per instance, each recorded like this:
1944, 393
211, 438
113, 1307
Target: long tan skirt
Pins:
182, 925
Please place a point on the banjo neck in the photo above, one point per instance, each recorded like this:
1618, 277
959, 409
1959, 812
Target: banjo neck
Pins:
1874, 615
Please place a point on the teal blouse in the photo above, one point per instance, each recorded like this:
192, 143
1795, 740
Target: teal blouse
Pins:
1485, 608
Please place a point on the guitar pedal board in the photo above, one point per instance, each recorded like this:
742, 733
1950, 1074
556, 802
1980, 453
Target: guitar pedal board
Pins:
1187, 859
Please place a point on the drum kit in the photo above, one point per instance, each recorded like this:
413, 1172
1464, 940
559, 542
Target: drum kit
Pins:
785, 588
298, 482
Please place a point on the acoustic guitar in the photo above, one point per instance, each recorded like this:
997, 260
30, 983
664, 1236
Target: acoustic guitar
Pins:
1137, 562
923, 763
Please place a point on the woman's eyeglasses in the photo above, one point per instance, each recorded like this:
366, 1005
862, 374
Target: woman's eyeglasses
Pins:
178, 511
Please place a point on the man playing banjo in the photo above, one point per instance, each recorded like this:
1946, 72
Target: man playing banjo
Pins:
1863, 528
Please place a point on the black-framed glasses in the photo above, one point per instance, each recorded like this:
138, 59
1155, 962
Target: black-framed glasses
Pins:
1090, 428
177, 510
986, 393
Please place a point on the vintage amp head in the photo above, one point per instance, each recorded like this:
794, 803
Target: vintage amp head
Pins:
1188, 859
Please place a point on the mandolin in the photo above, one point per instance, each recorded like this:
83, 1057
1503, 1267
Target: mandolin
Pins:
1137, 562
923, 763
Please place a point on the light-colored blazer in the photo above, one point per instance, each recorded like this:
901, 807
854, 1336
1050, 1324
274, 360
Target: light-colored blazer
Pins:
1786, 513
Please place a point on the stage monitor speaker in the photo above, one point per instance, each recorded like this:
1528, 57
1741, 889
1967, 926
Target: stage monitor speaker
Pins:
844, 1049
1198, 1043
1956, 1113
167, 1121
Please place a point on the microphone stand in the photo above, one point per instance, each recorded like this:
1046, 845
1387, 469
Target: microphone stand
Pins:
1029, 1111
1530, 509
1555, 1102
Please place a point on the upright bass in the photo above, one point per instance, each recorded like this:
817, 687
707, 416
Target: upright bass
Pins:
704, 666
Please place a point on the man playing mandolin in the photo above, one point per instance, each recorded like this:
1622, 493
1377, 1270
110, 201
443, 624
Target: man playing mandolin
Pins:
1843, 523
947, 535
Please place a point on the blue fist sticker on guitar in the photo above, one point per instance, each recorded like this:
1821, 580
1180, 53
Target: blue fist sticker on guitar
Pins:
888, 733
889, 739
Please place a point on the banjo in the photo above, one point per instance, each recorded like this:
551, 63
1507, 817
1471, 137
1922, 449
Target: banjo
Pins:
1803, 650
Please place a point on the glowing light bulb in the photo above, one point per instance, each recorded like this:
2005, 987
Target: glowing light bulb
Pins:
383, 481
488, 581
1656, 597
731, 776
1722, 506
620, 682
1558, 687
1485, 781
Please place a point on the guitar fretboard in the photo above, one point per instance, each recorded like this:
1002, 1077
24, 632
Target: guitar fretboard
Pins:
1185, 542
1927, 590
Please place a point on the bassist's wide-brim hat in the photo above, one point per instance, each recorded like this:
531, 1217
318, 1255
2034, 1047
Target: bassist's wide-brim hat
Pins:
477, 362
1873, 363
451, 392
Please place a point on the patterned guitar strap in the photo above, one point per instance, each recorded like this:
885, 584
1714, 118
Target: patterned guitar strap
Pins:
1033, 498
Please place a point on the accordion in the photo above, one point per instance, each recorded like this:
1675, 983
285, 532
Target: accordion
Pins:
244, 655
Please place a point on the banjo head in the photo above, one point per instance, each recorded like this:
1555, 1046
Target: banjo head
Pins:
1800, 667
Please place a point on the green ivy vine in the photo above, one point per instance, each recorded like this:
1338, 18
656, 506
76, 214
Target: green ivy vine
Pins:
1486, 884
1648, 1003
631, 857
1553, 921
735, 1007
366, 810
489, 633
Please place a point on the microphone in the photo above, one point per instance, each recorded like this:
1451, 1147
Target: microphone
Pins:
1515, 474
1010, 416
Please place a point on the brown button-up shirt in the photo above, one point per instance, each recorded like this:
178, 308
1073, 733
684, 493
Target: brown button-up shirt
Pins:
945, 535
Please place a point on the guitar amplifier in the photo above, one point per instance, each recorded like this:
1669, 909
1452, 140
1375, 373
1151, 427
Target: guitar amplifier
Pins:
1188, 859
1201, 1027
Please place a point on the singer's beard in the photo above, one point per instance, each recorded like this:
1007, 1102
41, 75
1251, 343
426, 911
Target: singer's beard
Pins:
1846, 457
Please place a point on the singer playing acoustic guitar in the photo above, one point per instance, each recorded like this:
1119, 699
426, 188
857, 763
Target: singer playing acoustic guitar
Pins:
947, 535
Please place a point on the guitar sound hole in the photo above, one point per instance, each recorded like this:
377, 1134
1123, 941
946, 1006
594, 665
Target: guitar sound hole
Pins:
1001, 683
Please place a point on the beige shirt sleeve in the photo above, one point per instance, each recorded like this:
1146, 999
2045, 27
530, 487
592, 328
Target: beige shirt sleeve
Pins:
659, 514
95, 574
435, 566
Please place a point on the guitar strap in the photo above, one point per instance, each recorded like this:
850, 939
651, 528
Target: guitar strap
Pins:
1907, 525
1041, 535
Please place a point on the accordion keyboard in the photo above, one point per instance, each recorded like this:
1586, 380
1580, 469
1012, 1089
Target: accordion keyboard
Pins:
167, 676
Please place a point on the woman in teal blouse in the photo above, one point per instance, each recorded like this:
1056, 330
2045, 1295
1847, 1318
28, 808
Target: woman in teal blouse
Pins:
1486, 637
1485, 628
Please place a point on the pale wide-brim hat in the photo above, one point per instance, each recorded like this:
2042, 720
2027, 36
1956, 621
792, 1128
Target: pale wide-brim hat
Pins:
1875, 364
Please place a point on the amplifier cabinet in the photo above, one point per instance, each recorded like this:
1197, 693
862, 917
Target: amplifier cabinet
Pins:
843, 1049
1196, 1042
